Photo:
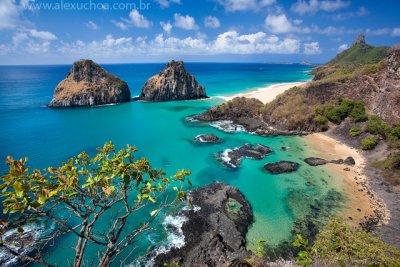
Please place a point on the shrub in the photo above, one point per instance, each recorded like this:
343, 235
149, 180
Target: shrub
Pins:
343, 108
355, 131
375, 125
339, 244
323, 121
369, 143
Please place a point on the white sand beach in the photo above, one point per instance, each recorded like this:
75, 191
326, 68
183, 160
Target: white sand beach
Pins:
268, 93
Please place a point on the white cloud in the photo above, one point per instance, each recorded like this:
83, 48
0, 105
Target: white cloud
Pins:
92, 25
167, 26
396, 32
279, 24
230, 42
120, 24
9, 14
212, 22
378, 32
47, 36
19, 37
167, 3
343, 47
312, 48
244, 5
185, 22
138, 20
311, 7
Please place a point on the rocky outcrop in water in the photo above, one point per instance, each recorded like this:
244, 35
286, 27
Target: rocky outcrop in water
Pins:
232, 158
172, 83
281, 167
215, 235
88, 84
207, 138
318, 161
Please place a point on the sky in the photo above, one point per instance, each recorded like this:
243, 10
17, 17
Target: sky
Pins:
140, 31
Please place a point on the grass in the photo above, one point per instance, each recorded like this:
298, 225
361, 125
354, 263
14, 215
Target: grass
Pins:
390, 167
360, 54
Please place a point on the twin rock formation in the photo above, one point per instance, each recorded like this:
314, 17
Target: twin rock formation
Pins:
88, 84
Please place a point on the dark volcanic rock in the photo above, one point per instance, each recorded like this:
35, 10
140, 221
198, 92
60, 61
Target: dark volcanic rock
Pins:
216, 234
349, 161
207, 138
315, 161
88, 84
281, 167
172, 83
233, 157
318, 161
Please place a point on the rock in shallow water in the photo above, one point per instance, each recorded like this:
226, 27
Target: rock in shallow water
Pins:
207, 138
172, 83
318, 161
233, 157
281, 167
88, 84
215, 235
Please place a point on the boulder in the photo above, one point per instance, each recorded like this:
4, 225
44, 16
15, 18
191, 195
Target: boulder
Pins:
315, 161
88, 84
233, 157
172, 83
281, 167
207, 138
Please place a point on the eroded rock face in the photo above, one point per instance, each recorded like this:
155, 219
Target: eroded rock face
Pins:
88, 84
281, 167
172, 83
232, 158
393, 64
215, 235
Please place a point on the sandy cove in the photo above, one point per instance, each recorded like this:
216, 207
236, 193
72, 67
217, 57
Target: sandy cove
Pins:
363, 204
268, 93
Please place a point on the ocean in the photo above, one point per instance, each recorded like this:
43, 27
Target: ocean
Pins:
161, 134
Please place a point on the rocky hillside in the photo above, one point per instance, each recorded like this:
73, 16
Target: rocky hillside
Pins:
88, 84
375, 81
172, 83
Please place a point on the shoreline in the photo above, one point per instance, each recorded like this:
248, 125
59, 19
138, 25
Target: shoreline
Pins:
268, 93
363, 207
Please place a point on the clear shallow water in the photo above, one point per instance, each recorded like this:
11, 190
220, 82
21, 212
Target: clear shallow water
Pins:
50, 136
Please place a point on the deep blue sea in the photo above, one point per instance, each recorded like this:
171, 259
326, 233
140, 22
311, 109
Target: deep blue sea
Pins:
50, 136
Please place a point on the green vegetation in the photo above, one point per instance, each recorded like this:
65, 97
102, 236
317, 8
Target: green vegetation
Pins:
337, 111
375, 125
393, 139
360, 54
80, 194
369, 143
338, 244
390, 167
355, 131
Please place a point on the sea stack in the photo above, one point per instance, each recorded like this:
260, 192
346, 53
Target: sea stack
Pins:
88, 84
172, 83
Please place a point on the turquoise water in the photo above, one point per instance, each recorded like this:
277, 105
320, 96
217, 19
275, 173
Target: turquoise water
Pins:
50, 136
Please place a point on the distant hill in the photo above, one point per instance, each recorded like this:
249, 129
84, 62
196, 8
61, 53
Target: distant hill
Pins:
360, 53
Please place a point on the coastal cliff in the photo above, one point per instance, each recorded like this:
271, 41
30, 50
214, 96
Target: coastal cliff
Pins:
88, 84
172, 83
215, 230
374, 81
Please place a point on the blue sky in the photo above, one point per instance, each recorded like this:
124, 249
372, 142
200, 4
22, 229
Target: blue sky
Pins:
128, 31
